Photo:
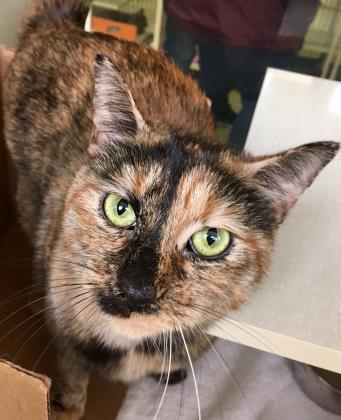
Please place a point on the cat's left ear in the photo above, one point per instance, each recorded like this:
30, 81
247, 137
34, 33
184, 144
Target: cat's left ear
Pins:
283, 177
115, 115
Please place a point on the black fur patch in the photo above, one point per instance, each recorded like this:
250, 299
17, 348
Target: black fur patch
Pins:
97, 353
174, 377
111, 303
160, 344
139, 270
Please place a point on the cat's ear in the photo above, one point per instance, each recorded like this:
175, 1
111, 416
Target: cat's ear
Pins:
282, 178
115, 115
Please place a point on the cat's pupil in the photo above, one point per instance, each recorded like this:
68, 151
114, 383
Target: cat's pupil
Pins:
122, 206
211, 236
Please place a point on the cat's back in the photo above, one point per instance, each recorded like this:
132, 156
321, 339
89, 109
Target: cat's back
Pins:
50, 83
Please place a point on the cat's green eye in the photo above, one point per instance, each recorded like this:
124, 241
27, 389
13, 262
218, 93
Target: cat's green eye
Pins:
119, 211
210, 242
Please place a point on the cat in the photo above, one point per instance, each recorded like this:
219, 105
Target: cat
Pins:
145, 230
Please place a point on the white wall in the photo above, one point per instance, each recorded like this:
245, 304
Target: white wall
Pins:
11, 13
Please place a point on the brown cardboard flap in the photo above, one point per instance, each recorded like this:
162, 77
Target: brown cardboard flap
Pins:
24, 395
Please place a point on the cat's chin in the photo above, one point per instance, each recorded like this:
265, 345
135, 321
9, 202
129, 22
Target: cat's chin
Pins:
138, 326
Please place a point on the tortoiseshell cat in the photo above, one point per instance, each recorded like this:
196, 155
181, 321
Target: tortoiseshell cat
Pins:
144, 229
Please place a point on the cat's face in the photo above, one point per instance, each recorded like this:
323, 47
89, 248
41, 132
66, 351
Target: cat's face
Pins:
161, 231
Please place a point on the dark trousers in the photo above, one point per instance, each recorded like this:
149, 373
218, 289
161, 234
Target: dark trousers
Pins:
223, 68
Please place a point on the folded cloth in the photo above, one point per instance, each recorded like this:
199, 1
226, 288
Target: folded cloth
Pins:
240, 384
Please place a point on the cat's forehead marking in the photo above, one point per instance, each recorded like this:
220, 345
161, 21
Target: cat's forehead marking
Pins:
195, 190
146, 177
138, 179
133, 180
193, 200
198, 202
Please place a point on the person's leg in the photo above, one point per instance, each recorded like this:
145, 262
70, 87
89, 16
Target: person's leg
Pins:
179, 45
247, 68
241, 125
213, 77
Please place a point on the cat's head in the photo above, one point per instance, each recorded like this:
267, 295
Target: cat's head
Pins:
162, 230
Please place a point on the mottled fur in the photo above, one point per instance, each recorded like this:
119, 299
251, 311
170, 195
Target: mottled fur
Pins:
86, 115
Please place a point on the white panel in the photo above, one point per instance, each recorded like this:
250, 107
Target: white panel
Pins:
300, 298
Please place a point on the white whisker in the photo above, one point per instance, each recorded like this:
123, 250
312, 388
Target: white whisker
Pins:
192, 369
164, 357
167, 380
228, 370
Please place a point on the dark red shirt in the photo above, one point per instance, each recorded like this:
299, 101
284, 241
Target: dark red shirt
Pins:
266, 24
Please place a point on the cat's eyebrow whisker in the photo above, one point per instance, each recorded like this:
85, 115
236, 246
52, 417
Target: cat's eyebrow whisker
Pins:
168, 375
193, 374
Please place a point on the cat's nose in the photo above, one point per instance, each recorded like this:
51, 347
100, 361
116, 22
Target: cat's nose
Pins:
136, 298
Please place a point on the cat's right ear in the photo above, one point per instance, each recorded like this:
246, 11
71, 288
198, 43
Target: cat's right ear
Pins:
115, 115
283, 177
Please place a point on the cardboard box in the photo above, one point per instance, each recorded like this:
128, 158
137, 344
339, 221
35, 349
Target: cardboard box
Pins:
115, 28
24, 341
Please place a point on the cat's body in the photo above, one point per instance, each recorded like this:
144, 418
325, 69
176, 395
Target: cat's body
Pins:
121, 298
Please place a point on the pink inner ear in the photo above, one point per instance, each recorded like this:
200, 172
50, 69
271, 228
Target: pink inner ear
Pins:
141, 125
282, 183
283, 178
285, 200
255, 166
115, 115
